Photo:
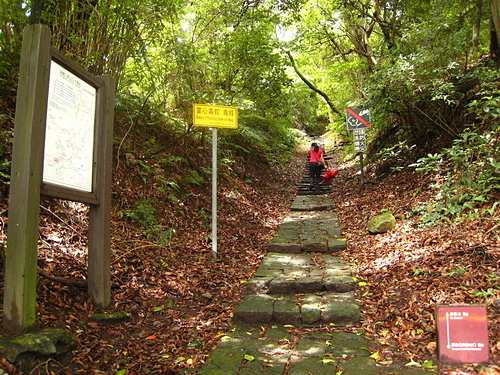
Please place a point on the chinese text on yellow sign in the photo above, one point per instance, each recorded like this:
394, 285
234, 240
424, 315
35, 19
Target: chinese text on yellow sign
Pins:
215, 116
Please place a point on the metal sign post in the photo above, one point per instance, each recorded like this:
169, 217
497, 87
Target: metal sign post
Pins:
357, 121
215, 116
214, 192
360, 147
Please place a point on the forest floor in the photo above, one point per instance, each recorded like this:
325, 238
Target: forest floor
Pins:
180, 299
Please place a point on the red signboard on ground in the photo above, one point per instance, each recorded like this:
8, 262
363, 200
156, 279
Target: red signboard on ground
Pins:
462, 333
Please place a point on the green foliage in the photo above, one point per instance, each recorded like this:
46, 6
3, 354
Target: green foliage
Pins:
411, 87
486, 106
193, 177
394, 156
305, 112
487, 294
144, 213
468, 182
459, 271
173, 159
408, 62
270, 138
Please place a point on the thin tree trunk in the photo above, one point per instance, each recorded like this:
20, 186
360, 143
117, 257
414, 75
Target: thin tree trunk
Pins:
311, 85
476, 30
495, 31
36, 12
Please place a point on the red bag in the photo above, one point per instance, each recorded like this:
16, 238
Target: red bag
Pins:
330, 175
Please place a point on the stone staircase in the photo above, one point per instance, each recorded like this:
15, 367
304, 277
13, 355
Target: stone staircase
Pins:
301, 281
299, 302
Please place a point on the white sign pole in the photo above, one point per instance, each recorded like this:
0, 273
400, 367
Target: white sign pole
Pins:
214, 117
214, 192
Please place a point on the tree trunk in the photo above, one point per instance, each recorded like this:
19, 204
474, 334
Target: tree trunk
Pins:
495, 31
476, 29
36, 12
311, 86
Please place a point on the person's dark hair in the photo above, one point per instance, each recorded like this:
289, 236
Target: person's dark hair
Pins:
315, 146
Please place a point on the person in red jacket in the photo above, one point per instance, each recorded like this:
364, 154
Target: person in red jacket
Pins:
316, 163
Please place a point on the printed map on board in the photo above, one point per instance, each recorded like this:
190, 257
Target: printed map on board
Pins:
69, 136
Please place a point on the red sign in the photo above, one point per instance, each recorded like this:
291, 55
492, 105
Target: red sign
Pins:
462, 333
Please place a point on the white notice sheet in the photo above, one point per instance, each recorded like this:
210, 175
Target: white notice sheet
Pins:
69, 135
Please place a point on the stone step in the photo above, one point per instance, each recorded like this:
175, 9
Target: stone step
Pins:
309, 231
313, 192
317, 309
312, 203
299, 284
306, 180
301, 273
306, 187
274, 350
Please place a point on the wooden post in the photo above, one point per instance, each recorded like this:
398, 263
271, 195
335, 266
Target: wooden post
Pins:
26, 177
99, 273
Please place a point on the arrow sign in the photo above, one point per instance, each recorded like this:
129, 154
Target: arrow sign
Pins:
358, 118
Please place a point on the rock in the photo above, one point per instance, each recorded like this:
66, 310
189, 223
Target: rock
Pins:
46, 342
381, 223
207, 295
400, 216
110, 317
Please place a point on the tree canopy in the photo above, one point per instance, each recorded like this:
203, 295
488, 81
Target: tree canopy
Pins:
172, 53
427, 69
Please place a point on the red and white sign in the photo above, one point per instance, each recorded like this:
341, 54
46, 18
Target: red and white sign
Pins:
358, 118
462, 333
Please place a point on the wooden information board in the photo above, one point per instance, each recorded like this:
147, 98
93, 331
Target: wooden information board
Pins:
62, 147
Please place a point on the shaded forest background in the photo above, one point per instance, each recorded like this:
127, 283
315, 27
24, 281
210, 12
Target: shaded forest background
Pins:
427, 69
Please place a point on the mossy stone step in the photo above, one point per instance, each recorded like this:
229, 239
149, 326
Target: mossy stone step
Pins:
276, 350
301, 273
307, 309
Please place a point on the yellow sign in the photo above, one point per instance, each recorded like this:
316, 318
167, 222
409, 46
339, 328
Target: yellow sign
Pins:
215, 116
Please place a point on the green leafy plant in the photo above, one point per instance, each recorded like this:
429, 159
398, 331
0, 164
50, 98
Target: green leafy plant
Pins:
394, 156
469, 177
487, 105
193, 177
429, 364
419, 271
486, 294
493, 277
144, 213
457, 271
194, 343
